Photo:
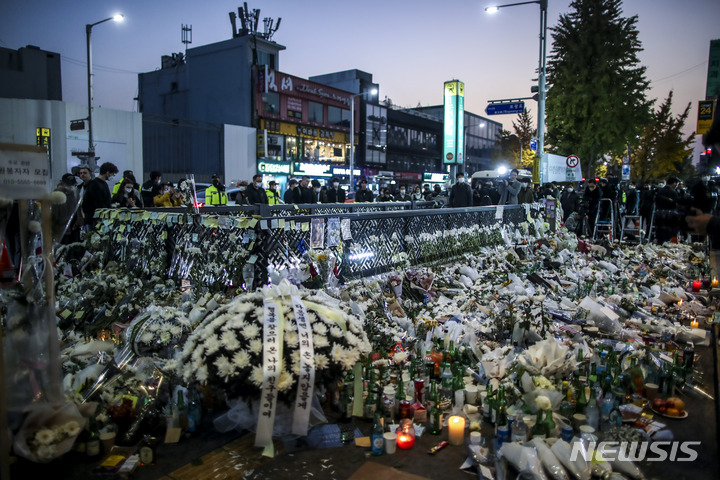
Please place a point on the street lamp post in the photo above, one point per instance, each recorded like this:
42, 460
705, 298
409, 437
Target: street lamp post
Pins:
88, 31
541, 77
352, 131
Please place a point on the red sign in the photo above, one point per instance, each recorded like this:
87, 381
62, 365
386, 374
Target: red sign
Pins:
572, 161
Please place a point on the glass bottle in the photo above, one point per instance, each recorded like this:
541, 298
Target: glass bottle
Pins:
606, 408
519, 430
538, 430
377, 440
399, 395
549, 422
194, 410
92, 448
147, 450
446, 384
582, 401
500, 410
592, 412
487, 404
429, 372
436, 419
420, 411
182, 410
370, 406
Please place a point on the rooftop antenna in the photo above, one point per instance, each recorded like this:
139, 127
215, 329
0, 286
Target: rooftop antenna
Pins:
186, 36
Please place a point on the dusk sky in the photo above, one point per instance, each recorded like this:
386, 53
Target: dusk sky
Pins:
410, 46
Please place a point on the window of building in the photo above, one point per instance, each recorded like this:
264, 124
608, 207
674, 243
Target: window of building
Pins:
315, 112
265, 58
338, 116
271, 102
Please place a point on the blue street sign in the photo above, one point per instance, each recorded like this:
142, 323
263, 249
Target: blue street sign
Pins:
533, 144
505, 108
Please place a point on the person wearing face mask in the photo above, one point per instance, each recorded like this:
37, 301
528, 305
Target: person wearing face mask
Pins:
335, 194
402, 195
292, 193
126, 196
363, 194
417, 194
318, 196
460, 193
151, 188
526, 194
272, 195
215, 194
305, 191
509, 189
241, 198
666, 202
632, 200
591, 201
570, 202
97, 192
255, 192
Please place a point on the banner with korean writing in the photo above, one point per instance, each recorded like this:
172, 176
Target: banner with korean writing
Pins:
24, 171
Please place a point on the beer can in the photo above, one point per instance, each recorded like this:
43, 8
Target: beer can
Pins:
567, 433
503, 434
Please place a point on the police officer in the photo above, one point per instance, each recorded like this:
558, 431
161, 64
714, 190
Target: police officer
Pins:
215, 194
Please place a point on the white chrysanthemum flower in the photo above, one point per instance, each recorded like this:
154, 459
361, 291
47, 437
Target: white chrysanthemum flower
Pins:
188, 371
201, 374
225, 368
146, 337
543, 402
72, 428
321, 328
229, 341
336, 353
256, 346
320, 341
400, 357
176, 331
292, 339
46, 452
34, 226
295, 362
58, 198
321, 361
256, 376
286, 381
45, 436
241, 359
211, 345
250, 331
336, 331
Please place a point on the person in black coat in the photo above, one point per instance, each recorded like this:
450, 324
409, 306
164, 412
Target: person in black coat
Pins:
305, 193
570, 202
461, 194
335, 194
591, 202
363, 194
318, 194
151, 188
291, 194
665, 205
402, 195
97, 192
255, 192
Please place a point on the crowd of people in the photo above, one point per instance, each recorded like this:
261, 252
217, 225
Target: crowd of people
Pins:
668, 207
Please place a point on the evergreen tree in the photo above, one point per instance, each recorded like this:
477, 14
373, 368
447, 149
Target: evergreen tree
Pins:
661, 150
597, 99
525, 132
509, 149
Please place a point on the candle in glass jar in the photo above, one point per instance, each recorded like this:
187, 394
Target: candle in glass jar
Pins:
715, 282
695, 323
696, 284
456, 427
404, 440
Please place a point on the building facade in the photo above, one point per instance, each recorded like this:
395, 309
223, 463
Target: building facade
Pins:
30, 73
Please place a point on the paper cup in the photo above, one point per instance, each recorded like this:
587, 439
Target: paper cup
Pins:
108, 441
651, 391
471, 393
469, 410
475, 438
390, 442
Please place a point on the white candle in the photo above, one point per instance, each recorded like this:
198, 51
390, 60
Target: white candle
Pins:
456, 427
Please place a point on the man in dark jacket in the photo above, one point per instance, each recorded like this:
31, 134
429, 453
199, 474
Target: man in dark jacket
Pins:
363, 194
151, 188
570, 202
255, 192
402, 195
591, 202
335, 194
460, 193
291, 194
97, 192
665, 205
304, 191
318, 195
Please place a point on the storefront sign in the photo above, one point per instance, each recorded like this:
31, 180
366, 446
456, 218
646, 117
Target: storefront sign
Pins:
294, 129
408, 176
435, 177
454, 123
312, 169
706, 111
274, 81
261, 143
268, 167
345, 171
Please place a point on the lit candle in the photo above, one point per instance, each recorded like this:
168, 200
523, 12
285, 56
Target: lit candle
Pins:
696, 284
715, 282
405, 441
695, 323
456, 426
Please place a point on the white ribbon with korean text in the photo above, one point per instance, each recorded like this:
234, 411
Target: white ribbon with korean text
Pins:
306, 379
272, 364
